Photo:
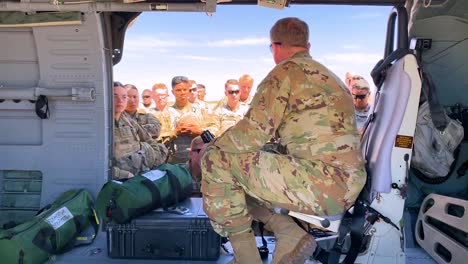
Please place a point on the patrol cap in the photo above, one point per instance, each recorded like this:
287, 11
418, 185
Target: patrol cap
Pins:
179, 79
361, 84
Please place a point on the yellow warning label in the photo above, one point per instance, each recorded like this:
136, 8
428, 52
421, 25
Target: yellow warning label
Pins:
403, 141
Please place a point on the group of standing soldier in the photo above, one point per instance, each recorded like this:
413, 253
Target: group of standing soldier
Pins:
171, 128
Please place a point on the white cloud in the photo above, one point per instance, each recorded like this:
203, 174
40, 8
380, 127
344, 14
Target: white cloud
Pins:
351, 47
139, 43
366, 15
352, 58
223, 59
199, 58
151, 42
237, 42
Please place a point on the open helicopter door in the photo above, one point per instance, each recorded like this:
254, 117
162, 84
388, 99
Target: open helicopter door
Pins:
376, 234
387, 142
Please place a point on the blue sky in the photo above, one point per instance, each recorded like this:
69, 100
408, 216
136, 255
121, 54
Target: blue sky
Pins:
235, 40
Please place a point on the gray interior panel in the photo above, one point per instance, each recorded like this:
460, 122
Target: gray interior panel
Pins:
71, 148
18, 58
447, 60
22, 127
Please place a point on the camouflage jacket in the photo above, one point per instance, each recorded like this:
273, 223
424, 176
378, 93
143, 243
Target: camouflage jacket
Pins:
223, 101
164, 118
227, 118
308, 107
148, 121
134, 149
179, 145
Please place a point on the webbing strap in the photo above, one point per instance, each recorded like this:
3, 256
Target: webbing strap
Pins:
155, 201
379, 72
356, 232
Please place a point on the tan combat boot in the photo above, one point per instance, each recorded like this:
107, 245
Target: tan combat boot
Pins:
293, 244
245, 248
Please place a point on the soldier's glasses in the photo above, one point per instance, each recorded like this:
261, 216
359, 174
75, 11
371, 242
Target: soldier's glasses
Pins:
196, 150
359, 96
193, 90
271, 45
146, 96
233, 92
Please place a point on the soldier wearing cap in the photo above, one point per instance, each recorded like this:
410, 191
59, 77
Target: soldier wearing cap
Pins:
187, 121
232, 111
148, 121
134, 149
322, 173
361, 93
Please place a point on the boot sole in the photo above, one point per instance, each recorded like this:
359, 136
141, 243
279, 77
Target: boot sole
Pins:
303, 250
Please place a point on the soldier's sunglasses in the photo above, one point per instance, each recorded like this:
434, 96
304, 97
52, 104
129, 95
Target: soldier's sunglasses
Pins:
196, 150
271, 45
359, 96
233, 92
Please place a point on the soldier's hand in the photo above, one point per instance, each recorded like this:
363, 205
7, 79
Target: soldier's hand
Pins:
130, 175
179, 130
194, 130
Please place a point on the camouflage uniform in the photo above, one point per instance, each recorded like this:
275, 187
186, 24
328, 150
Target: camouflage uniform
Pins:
134, 149
247, 101
164, 118
222, 102
148, 121
312, 112
203, 105
142, 107
227, 118
180, 145
361, 117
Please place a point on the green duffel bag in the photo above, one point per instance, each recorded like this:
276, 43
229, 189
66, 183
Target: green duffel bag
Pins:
119, 202
54, 230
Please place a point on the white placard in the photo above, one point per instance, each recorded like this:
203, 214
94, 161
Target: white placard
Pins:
57, 219
153, 175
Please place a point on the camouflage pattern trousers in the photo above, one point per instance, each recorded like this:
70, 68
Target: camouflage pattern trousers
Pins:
272, 180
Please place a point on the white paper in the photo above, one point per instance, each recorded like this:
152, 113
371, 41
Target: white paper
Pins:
154, 175
57, 219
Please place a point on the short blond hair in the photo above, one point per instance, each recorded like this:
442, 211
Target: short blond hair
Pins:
230, 82
246, 79
290, 31
159, 86
130, 86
